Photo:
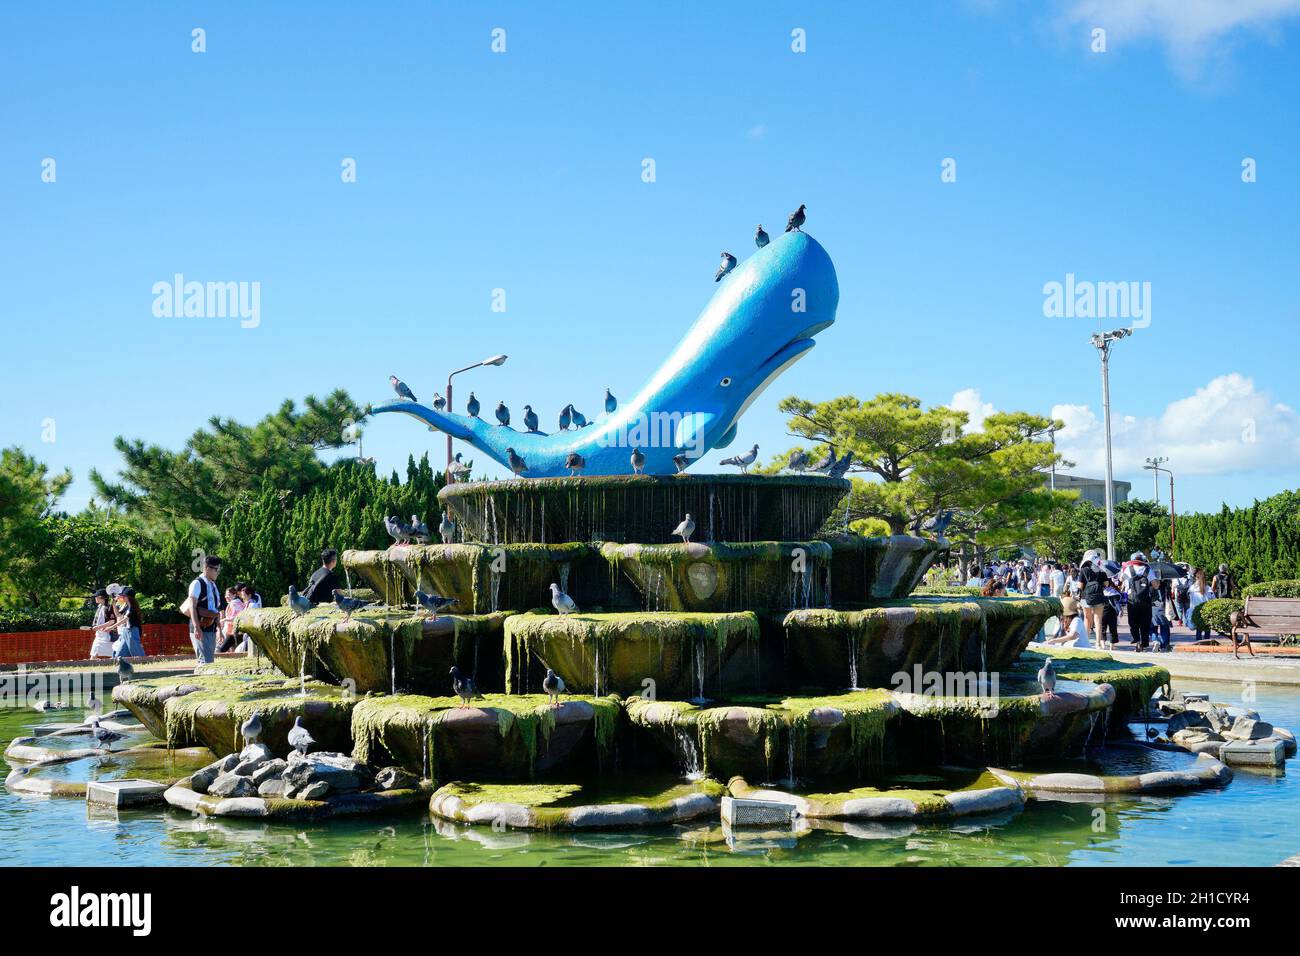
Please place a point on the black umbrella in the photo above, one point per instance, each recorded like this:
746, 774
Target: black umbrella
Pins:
1164, 571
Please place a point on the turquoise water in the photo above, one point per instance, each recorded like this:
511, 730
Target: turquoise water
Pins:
1249, 823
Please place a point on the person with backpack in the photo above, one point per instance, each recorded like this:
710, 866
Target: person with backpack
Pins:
1137, 584
1092, 584
203, 607
1222, 583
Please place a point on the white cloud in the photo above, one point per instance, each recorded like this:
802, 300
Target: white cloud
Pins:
1192, 31
968, 400
1227, 426
757, 132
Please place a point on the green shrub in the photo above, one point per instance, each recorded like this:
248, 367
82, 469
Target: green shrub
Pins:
1213, 615
1277, 589
951, 590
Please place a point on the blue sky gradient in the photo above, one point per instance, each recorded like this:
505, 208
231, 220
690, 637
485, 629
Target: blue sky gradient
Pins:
522, 171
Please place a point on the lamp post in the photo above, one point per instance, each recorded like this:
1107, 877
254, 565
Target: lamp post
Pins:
1154, 465
1102, 342
494, 360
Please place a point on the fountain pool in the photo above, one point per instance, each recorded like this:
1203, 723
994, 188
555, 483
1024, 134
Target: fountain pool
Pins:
1249, 823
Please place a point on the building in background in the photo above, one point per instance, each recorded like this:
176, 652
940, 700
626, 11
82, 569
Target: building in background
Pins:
1092, 490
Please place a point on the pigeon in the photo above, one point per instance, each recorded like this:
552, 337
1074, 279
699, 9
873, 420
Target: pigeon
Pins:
565, 418
434, 603
1047, 678
638, 461
685, 530
399, 532
251, 729
575, 463
94, 706
681, 461
579, 419
728, 263
517, 464
299, 737
299, 603
798, 461
503, 413
530, 419
103, 736
124, 670
463, 687
760, 237
458, 470
439, 403
826, 464
419, 530
348, 604
611, 403
447, 529
402, 389
562, 602
841, 467
743, 461
472, 406
937, 525
797, 219
553, 684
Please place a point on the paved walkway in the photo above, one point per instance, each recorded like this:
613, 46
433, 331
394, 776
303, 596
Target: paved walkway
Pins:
1207, 665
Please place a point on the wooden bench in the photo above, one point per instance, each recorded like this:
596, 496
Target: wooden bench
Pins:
1264, 617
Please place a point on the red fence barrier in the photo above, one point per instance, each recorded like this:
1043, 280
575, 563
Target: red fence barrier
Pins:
34, 647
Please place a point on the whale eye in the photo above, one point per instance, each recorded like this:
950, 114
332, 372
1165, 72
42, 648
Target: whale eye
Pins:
725, 382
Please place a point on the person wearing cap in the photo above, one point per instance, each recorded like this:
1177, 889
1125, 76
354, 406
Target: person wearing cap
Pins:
102, 643
204, 604
1137, 584
129, 641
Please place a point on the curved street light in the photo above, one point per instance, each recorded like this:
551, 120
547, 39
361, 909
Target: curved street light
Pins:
491, 360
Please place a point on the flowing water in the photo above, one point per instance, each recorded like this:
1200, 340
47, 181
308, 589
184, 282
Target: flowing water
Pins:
1251, 822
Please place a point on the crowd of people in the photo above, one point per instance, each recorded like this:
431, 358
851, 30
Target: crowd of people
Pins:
212, 613
1152, 595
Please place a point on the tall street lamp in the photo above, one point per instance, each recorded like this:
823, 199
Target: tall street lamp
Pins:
494, 360
1102, 342
1154, 465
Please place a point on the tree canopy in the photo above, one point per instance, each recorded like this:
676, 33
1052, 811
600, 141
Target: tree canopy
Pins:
225, 459
919, 463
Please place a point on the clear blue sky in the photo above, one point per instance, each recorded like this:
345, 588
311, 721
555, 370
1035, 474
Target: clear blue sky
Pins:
522, 171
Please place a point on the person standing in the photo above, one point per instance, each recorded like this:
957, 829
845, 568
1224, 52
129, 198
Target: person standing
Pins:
1136, 579
130, 622
1092, 582
1197, 594
1057, 579
320, 589
234, 606
1222, 583
102, 643
204, 602
1160, 625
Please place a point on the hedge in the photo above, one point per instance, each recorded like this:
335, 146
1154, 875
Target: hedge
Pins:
35, 619
1278, 589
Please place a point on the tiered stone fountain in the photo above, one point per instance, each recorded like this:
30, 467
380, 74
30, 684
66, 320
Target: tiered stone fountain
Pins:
763, 658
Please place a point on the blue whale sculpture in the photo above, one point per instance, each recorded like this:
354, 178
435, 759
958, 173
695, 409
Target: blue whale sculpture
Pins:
761, 320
